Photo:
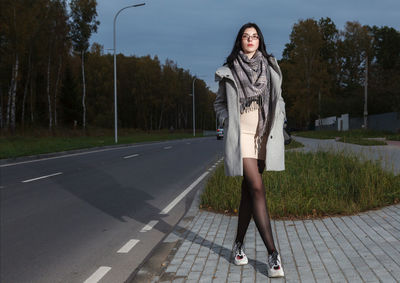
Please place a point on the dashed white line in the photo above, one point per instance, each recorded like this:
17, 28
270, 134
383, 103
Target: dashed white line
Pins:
149, 226
168, 147
98, 274
128, 246
130, 156
183, 194
42, 177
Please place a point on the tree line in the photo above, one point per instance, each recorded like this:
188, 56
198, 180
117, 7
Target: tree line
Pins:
326, 70
50, 76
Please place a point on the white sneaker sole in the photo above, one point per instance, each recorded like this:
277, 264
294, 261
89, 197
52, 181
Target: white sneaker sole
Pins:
242, 261
272, 273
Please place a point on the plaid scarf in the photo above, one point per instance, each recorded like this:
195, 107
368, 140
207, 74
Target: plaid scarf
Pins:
252, 80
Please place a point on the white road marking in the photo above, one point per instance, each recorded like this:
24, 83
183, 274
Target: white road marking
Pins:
183, 194
98, 274
149, 226
168, 147
38, 178
128, 246
133, 155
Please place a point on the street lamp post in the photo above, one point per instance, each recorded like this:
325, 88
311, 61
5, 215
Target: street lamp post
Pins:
115, 71
366, 95
194, 121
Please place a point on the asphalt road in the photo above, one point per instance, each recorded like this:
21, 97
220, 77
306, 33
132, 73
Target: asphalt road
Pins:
96, 214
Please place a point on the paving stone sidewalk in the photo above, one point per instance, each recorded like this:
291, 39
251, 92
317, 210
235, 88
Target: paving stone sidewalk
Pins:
359, 248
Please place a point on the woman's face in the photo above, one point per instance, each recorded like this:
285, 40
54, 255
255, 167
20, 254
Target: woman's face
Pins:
250, 41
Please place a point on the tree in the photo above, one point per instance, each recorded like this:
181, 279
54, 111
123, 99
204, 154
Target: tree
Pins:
355, 51
14, 34
69, 100
36, 10
100, 111
84, 23
387, 47
61, 46
304, 65
385, 71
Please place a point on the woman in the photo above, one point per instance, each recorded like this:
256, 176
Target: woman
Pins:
250, 107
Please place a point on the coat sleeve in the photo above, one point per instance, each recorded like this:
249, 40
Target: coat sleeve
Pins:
220, 103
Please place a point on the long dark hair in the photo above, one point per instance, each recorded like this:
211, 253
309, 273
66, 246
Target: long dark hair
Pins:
238, 44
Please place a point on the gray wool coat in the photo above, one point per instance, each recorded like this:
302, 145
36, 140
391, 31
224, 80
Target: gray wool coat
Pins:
227, 108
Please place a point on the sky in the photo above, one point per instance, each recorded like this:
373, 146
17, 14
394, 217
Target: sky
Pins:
198, 35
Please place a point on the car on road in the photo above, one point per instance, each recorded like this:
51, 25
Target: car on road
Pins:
220, 133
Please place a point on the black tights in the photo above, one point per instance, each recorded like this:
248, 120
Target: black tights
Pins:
252, 203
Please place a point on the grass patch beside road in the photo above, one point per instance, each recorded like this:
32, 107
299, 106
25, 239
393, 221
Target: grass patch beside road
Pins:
394, 138
40, 142
313, 185
361, 137
361, 141
294, 144
347, 134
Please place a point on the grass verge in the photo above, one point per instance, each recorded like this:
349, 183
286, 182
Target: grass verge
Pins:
361, 141
40, 142
294, 144
394, 138
347, 134
313, 185
360, 137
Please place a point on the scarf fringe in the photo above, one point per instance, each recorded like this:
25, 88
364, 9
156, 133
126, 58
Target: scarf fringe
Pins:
247, 105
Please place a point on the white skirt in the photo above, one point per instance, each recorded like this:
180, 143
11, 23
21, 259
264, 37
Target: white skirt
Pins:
248, 130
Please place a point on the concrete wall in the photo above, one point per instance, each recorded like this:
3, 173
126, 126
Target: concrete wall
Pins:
325, 121
343, 123
380, 122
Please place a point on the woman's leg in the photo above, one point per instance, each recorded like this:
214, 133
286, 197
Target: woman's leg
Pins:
252, 170
245, 211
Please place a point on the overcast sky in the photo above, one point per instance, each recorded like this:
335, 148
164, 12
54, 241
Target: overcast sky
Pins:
199, 34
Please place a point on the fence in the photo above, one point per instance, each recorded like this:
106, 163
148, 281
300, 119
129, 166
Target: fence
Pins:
380, 122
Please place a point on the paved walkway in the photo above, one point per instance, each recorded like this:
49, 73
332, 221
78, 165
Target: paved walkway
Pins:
359, 248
